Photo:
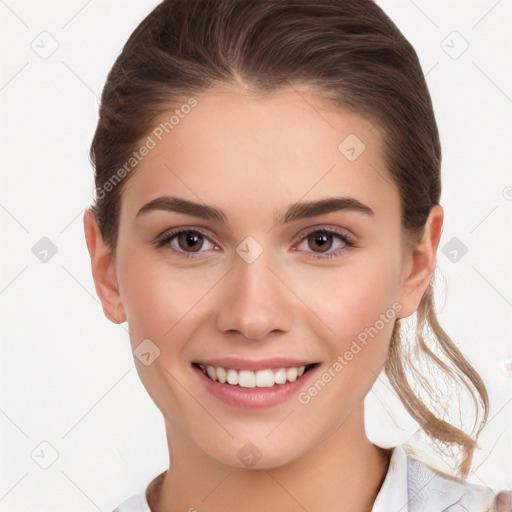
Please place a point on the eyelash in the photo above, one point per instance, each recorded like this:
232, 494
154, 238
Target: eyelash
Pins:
168, 236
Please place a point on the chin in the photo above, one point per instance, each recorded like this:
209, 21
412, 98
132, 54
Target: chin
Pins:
257, 454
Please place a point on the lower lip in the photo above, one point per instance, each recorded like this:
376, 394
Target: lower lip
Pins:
253, 398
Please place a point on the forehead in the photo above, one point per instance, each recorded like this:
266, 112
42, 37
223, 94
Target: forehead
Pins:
237, 150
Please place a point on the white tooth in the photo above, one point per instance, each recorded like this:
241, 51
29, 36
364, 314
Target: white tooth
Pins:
264, 379
291, 374
246, 379
210, 370
300, 371
280, 376
232, 376
202, 367
221, 375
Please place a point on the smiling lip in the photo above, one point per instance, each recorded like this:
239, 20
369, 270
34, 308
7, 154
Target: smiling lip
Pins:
254, 397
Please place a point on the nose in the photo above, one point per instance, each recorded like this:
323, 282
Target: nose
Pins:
254, 302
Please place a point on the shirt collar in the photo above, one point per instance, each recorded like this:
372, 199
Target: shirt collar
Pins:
393, 492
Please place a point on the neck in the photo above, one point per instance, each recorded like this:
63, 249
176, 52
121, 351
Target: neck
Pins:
344, 472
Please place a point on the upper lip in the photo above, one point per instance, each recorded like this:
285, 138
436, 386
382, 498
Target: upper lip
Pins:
237, 363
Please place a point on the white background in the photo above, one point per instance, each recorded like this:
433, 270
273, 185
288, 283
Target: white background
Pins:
68, 376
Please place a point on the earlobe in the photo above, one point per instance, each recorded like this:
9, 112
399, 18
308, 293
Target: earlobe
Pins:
103, 272
421, 263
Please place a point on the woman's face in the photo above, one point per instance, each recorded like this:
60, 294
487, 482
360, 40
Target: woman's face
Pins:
253, 286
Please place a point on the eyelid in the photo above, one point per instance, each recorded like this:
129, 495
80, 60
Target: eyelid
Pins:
177, 230
344, 233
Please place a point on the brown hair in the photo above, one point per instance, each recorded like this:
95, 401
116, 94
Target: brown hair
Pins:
347, 50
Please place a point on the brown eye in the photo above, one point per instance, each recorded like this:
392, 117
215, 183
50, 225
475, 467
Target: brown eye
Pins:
190, 240
185, 242
320, 241
325, 243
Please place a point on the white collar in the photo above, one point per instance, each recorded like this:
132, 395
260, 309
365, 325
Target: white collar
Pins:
412, 486
393, 492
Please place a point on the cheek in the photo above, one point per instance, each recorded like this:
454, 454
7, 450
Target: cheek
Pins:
353, 297
159, 300
361, 311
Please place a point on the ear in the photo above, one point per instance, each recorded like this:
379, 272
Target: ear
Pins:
420, 263
103, 270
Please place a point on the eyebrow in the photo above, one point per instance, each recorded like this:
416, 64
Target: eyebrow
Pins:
295, 212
